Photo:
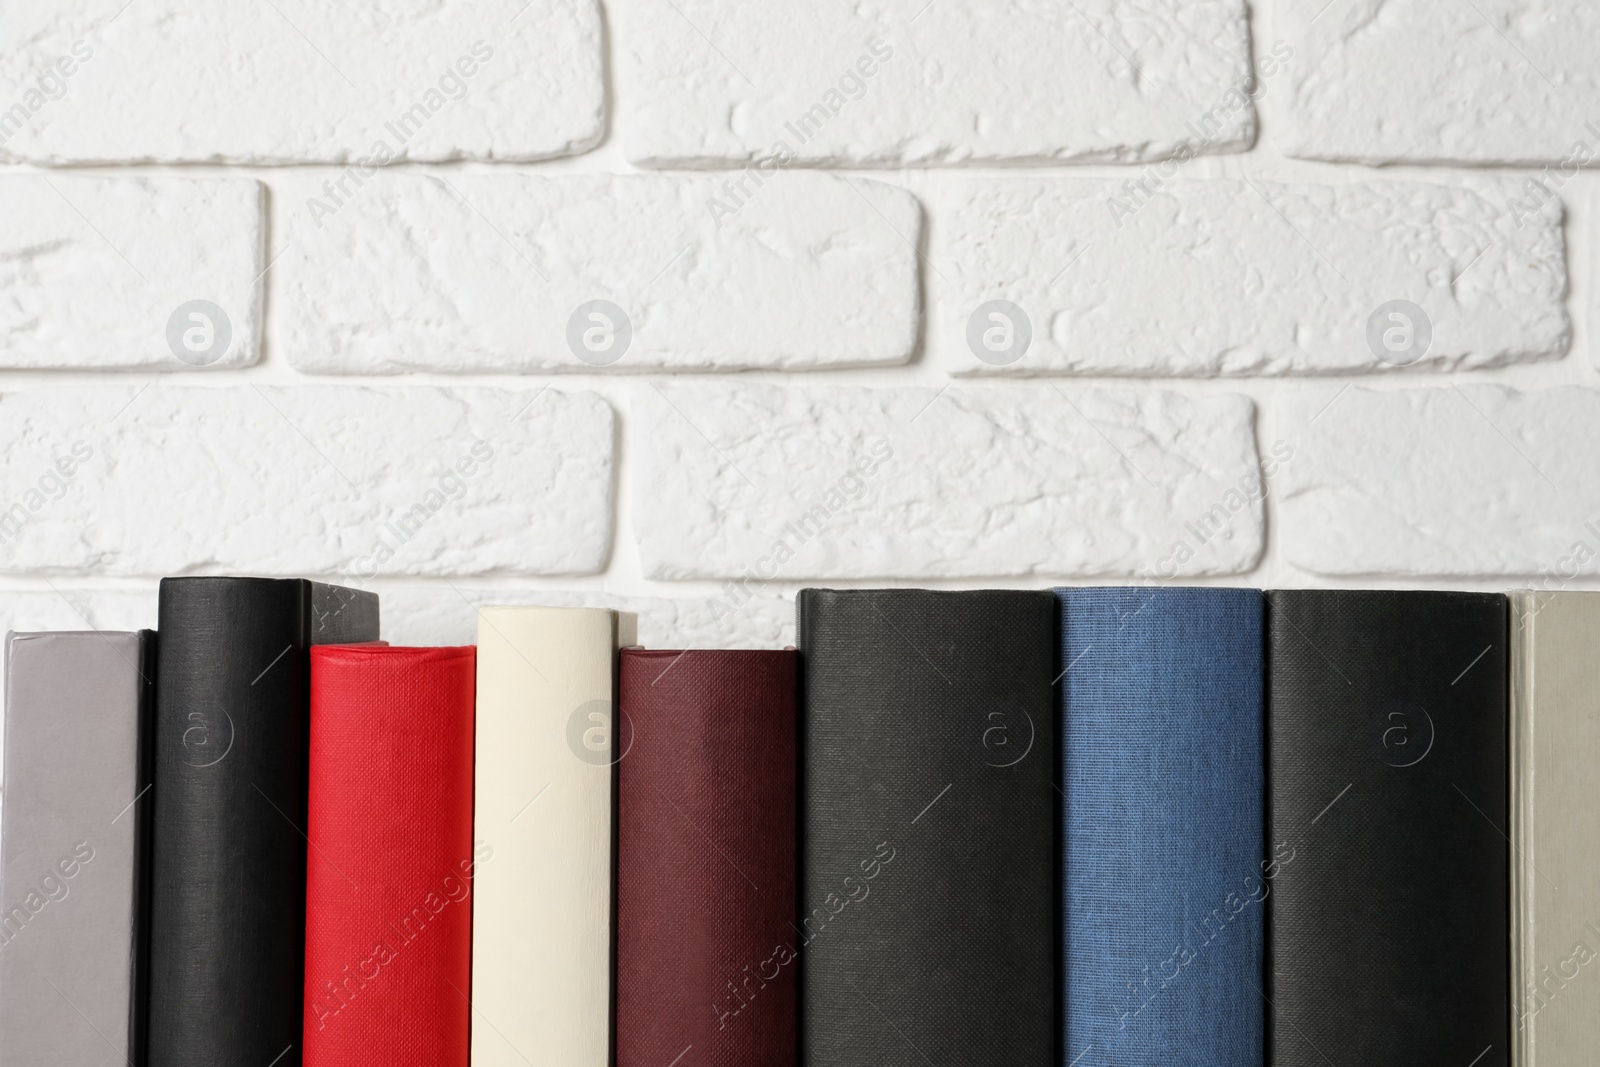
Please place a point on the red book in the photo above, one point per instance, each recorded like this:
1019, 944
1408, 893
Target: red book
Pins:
390, 858
706, 953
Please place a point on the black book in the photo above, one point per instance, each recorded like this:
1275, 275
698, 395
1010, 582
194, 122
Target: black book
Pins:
227, 922
1388, 920
928, 890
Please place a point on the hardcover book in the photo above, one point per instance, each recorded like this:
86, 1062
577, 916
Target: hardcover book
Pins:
1555, 834
544, 818
1165, 877
706, 859
1387, 768
228, 870
390, 864
928, 888
75, 835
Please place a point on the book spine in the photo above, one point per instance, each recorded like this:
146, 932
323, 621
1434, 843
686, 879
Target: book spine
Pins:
1555, 827
227, 923
77, 711
389, 876
706, 954
1527, 1003
1165, 890
928, 890
1388, 813
543, 814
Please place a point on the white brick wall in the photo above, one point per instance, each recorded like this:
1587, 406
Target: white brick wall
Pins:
710, 82
1493, 81
296, 81
1252, 277
1289, 293
96, 269
489, 273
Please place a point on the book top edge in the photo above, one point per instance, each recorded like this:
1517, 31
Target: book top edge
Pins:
638, 652
380, 650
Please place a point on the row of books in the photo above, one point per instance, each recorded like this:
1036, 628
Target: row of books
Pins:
1117, 826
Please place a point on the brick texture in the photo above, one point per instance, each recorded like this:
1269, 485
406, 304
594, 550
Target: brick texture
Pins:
293, 81
106, 272
350, 481
500, 273
705, 82
1145, 277
1443, 482
797, 483
1202, 291
1503, 81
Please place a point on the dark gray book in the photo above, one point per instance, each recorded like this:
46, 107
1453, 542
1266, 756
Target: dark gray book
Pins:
72, 837
1389, 918
228, 860
927, 930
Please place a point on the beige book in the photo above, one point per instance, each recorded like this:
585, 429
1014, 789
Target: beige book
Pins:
1555, 814
543, 824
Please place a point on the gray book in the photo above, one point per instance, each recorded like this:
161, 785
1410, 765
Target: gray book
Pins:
72, 830
1555, 828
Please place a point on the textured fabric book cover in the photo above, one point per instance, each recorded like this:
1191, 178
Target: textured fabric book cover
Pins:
1555, 643
1164, 882
928, 890
74, 832
390, 864
228, 870
542, 948
1389, 919
706, 860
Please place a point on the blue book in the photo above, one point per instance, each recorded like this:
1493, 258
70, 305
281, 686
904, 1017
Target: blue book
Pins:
1165, 877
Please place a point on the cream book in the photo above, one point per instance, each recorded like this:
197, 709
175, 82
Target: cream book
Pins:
543, 821
1555, 812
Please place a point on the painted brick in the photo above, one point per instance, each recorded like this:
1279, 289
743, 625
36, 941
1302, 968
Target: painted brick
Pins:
1457, 482
94, 270
429, 614
488, 272
711, 83
958, 482
294, 81
337, 481
1147, 276
1494, 81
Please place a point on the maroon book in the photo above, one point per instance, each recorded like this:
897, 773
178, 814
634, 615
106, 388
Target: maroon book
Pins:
706, 949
